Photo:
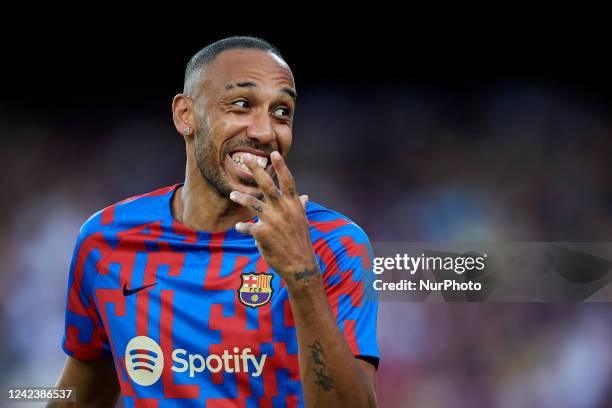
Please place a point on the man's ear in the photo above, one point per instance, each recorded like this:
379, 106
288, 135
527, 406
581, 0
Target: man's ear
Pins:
183, 116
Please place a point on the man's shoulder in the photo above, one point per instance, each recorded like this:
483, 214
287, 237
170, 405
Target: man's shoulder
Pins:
327, 223
129, 213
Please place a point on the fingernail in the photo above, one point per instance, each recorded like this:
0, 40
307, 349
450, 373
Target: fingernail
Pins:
233, 195
238, 226
275, 154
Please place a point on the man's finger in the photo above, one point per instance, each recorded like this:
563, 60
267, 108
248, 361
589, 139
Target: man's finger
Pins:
247, 228
304, 200
248, 201
263, 179
285, 178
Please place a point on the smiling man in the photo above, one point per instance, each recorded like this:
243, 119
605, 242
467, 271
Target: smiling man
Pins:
229, 289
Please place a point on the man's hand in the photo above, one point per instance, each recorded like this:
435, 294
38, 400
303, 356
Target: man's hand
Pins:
282, 233
331, 376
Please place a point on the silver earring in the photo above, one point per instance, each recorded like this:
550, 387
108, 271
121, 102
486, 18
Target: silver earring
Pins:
187, 130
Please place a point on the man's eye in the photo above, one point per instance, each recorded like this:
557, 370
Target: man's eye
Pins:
241, 103
281, 112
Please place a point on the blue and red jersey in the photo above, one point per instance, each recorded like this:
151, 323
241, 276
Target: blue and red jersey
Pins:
193, 318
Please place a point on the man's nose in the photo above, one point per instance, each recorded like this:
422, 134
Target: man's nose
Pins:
261, 128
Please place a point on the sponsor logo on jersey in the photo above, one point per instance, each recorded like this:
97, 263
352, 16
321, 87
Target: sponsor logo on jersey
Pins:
144, 361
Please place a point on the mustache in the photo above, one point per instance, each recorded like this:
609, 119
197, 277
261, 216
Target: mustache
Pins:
253, 144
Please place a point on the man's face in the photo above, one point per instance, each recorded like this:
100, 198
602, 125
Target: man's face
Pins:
244, 107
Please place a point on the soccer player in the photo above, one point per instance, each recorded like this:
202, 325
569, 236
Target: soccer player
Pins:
229, 289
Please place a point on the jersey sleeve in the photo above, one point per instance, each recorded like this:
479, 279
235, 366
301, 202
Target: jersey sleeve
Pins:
345, 257
84, 336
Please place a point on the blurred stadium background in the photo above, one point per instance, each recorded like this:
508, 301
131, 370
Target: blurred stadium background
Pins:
414, 141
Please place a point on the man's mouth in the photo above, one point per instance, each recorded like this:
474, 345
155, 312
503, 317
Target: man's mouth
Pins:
237, 161
240, 157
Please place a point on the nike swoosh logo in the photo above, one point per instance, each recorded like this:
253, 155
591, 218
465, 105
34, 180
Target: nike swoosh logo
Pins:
128, 292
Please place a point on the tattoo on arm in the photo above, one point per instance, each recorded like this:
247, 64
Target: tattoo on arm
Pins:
317, 354
257, 208
306, 274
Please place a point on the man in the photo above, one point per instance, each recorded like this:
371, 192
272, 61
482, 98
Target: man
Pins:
227, 290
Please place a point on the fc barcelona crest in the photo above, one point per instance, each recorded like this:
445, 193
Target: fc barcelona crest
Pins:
255, 289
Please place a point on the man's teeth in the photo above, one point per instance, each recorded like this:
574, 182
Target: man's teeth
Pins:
240, 157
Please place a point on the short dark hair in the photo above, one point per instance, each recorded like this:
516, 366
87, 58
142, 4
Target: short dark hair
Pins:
207, 54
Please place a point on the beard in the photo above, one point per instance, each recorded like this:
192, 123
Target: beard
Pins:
207, 159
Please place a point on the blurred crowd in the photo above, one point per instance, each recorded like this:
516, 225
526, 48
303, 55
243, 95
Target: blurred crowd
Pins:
514, 163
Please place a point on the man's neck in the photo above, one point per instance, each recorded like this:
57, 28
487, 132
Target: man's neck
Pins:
198, 206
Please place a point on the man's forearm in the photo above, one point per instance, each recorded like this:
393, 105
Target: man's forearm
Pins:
331, 376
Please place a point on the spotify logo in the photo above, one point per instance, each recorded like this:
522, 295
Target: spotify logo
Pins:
144, 360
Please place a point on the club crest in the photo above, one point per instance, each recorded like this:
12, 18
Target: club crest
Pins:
255, 289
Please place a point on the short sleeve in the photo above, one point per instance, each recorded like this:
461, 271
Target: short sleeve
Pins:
345, 257
84, 336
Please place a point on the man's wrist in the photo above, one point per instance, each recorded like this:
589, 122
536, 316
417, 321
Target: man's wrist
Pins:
303, 277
